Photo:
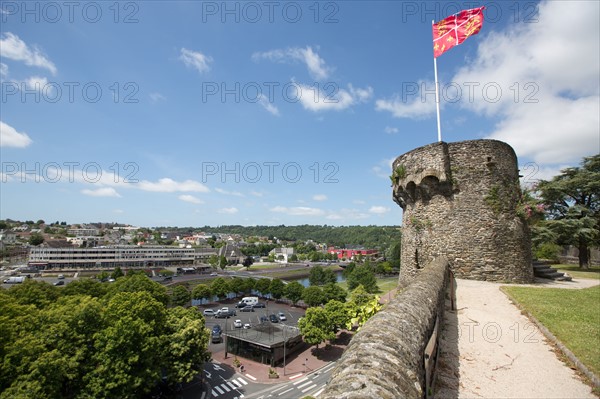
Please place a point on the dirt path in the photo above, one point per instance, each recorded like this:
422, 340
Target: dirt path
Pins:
490, 350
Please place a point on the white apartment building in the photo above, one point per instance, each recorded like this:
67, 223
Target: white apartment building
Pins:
110, 257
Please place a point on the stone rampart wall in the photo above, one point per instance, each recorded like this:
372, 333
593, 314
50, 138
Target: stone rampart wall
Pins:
385, 358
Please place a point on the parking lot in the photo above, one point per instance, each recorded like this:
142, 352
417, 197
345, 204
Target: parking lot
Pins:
292, 314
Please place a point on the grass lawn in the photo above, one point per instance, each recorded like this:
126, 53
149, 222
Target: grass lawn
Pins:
572, 315
385, 284
575, 272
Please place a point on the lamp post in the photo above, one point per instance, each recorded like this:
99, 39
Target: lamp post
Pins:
284, 345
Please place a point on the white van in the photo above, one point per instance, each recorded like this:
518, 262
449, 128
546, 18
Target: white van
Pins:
250, 300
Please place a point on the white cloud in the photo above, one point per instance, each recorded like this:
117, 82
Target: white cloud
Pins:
417, 106
379, 210
383, 168
101, 192
156, 97
315, 64
347, 214
167, 185
37, 83
12, 47
331, 98
264, 102
9, 137
391, 130
257, 193
118, 211
226, 192
319, 197
548, 74
190, 198
229, 211
196, 60
358, 202
3, 70
298, 211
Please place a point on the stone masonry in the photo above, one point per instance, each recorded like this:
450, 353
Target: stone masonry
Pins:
461, 201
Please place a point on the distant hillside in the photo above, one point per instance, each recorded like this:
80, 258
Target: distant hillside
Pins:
340, 236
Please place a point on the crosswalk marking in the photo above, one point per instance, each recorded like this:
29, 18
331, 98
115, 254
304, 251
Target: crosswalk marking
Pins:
300, 381
286, 391
305, 384
237, 384
231, 385
219, 390
225, 387
214, 393
313, 386
243, 381
320, 391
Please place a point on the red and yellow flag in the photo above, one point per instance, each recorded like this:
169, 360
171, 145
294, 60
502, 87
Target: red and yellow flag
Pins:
455, 29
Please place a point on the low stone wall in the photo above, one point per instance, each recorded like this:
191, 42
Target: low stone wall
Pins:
385, 358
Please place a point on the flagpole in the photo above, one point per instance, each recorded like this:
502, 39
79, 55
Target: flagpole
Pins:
437, 95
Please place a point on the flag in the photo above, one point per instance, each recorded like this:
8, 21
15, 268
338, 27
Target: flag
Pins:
455, 29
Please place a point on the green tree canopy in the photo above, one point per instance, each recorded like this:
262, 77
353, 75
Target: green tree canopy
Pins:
315, 326
333, 291
262, 286
313, 296
276, 288
139, 283
180, 296
293, 291
201, 291
220, 287
363, 275
572, 201
36, 239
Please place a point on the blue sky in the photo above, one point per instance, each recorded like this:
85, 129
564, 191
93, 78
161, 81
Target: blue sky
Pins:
189, 113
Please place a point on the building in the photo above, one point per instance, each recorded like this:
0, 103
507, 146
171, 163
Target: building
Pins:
282, 254
353, 254
8, 237
84, 232
110, 257
263, 343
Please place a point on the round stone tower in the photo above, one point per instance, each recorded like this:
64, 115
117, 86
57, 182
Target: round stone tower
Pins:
460, 200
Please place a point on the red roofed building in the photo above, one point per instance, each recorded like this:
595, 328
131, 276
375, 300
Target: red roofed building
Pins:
349, 254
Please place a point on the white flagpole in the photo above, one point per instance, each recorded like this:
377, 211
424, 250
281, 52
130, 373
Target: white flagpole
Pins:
437, 94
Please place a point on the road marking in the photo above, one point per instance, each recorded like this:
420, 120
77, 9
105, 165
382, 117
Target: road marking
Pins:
243, 381
203, 395
217, 367
320, 391
219, 390
252, 378
291, 389
208, 374
214, 393
231, 385
225, 387
326, 369
309, 388
237, 384
301, 380
295, 376
278, 389
305, 384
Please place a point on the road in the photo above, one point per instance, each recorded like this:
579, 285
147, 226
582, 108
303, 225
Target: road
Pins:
312, 384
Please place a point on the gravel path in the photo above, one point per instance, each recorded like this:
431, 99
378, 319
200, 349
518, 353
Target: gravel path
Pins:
490, 350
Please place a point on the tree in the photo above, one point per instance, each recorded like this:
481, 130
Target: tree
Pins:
248, 286
320, 276
276, 288
248, 262
262, 286
237, 285
117, 273
363, 275
338, 314
362, 307
201, 291
293, 258
180, 296
36, 239
572, 201
219, 287
332, 291
213, 260
315, 326
186, 345
293, 291
139, 283
33, 292
86, 286
222, 262
313, 296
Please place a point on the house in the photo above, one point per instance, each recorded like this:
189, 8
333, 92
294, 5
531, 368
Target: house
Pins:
282, 255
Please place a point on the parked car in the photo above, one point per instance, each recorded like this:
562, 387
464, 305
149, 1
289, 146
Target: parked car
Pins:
61, 277
216, 329
247, 308
281, 316
225, 313
215, 335
208, 312
259, 305
214, 274
263, 319
273, 318
60, 282
237, 323
247, 326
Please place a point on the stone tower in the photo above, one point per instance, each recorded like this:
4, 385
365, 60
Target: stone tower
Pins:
461, 200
